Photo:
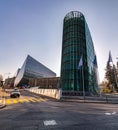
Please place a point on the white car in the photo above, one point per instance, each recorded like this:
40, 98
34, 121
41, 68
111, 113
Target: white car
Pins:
15, 93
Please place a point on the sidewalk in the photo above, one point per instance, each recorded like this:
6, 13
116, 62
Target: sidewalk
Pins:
107, 99
3, 95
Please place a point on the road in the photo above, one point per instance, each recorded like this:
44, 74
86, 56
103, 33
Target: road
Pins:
34, 112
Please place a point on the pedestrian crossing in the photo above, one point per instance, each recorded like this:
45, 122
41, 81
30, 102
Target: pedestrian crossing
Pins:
24, 100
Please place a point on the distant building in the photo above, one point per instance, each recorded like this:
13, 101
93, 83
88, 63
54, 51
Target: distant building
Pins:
9, 83
77, 43
32, 69
45, 83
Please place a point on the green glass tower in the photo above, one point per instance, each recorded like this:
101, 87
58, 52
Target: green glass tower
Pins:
77, 43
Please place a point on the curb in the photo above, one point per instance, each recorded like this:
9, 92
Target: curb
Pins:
88, 101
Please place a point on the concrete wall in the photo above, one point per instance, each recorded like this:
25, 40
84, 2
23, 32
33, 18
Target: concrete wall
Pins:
54, 93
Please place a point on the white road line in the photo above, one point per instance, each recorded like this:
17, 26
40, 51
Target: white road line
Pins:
107, 113
50, 122
112, 113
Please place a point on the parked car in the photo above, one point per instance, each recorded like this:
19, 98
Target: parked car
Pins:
15, 93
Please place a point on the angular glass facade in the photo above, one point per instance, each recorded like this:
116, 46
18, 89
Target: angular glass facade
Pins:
32, 69
77, 43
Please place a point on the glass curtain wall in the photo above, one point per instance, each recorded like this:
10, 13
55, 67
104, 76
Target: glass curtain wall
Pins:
76, 43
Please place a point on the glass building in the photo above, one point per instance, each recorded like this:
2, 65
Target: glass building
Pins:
77, 43
32, 69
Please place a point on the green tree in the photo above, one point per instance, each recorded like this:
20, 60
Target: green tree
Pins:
1, 79
111, 76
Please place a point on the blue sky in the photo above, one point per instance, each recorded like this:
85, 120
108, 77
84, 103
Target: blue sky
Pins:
34, 27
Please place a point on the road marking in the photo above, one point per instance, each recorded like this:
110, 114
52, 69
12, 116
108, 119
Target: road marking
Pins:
21, 100
26, 100
42, 99
8, 101
36, 100
113, 113
108, 113
50, 122
15, 101
32, 100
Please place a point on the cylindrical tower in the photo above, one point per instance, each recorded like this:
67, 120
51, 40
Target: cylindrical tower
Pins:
75, 46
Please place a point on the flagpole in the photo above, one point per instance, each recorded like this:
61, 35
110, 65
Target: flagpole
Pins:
81, 65
83, 84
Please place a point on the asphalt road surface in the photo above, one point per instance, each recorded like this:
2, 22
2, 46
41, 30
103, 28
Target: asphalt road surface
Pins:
34, 112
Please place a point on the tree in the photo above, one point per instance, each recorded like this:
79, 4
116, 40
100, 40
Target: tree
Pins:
1, 80
111, 76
